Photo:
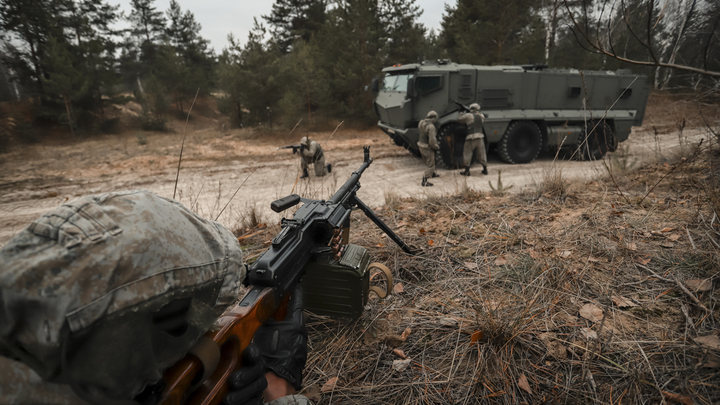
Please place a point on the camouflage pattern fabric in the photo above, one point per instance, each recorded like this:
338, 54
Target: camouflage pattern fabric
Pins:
313, 154
106, 291
428, 156
428, 134
474, 121
474, 146
291, 400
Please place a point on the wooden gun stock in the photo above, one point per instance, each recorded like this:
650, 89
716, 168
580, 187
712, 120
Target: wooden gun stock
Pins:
236, 329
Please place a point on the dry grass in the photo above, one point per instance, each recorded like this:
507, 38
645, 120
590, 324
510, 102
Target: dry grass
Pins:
554, 184
494, 301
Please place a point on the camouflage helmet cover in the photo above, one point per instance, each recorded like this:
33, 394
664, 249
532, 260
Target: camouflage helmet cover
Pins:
304, 141
474, 107
432, 115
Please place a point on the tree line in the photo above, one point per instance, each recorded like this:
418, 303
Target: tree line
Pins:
313, 59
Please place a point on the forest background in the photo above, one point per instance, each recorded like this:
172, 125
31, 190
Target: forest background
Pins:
64, 64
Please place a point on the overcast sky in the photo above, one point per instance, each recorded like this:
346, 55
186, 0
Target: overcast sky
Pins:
221, 17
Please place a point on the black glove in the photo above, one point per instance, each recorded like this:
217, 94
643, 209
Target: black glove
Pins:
248, 383
283, 344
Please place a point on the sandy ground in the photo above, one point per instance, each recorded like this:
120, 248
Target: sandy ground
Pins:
36, 178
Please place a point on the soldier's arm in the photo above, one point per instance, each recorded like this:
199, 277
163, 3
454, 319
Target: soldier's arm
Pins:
310, 150
432, 137
465, 118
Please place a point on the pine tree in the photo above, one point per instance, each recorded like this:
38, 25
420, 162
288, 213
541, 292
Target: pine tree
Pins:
490, 31
194, 61
31, 23
406, 41
293, 20
350, 55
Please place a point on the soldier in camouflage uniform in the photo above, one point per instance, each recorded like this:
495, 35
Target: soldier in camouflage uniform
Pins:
311, 153
427, 143
99, 296
475, 140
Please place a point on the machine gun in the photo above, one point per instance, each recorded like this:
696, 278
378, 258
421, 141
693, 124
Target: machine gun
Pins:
313, 239
461, 106
295, 148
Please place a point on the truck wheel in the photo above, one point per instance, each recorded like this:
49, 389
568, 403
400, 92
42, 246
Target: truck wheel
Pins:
398, 141
599, 142
521, 142
451, 139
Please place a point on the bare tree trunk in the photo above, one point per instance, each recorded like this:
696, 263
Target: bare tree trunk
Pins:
685, 20
69, 114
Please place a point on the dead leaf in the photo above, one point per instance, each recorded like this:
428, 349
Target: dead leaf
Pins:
400, 353
712, 361
666, 230
330, 385
617, 213
667, 245
554, 347
643, 260
422, 231
445, 321
430, 242
593, 260
622, 302
709, 341
500, 261
699, 285
534, 254
379, 245
589, 334
398, 288
631, 246
673, 237
401, 365
477, 335
405, 334
470, 265
565, 253
591, 312
530, 218
523, 383
312, 393
677, 398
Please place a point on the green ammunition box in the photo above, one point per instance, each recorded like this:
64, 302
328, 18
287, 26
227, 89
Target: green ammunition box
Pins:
337, 288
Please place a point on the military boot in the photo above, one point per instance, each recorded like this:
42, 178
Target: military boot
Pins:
305, 174
466, 172
426, 183
329, 168
484, 170
435, 175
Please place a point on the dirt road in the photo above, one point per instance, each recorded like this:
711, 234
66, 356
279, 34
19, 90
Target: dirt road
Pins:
36, 178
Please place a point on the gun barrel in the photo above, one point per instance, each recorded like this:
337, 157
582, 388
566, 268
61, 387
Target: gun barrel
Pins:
345, 191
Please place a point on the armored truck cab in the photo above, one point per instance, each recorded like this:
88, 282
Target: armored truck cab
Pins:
527, 108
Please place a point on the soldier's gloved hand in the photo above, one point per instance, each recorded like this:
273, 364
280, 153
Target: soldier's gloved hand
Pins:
248, 383
283, 344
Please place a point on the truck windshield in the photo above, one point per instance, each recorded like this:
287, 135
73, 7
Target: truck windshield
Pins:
396, 82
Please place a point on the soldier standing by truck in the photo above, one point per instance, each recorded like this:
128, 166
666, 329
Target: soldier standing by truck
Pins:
427, 143
475, 140
311, 152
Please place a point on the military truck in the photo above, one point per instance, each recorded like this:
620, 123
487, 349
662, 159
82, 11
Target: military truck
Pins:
528, 108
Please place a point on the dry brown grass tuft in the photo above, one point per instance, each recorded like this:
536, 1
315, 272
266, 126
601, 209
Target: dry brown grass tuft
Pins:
554, 184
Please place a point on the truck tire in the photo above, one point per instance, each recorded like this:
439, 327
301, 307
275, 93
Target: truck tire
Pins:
451, 139
599, 142
398, 140
521, 142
